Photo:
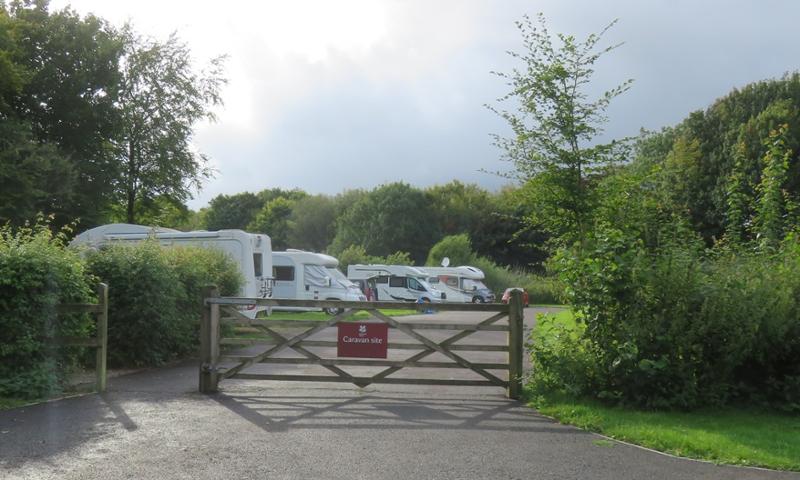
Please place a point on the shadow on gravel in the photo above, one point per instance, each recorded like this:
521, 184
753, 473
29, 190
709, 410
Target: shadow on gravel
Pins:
41, 431
381, 412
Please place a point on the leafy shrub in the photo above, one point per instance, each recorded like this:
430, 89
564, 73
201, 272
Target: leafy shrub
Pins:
678, 327
559, 354
154, 298
37, 273
544, 290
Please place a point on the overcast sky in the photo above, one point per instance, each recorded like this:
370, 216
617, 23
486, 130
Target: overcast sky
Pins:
338, 94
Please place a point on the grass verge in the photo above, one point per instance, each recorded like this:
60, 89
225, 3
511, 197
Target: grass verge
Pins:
748, 436
7, 403
737, 436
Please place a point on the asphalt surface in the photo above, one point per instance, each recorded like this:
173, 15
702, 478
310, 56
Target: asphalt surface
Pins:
154, 425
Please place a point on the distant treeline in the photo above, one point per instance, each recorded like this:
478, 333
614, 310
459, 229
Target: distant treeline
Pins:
388, 219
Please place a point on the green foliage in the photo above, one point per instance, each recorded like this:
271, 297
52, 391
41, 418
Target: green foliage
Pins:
673, 327
554, 122
36, 274
393, 217
312, 223
775, 207
733, 137
154, 298
273, 220
232, 211
58, 79
457, 248
159, 101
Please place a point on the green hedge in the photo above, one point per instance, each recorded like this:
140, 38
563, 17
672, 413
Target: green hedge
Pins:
37, 273
154, 298
678, 327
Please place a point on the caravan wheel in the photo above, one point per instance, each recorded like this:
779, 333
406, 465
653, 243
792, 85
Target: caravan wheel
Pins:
333, 311
477, 299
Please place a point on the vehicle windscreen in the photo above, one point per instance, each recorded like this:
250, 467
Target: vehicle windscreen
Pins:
339, 278
316, 275
423, 286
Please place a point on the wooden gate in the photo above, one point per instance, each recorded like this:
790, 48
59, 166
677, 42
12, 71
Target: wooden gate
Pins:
216, 366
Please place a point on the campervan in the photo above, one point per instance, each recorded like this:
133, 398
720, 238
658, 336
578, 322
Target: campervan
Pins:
460, 284
311, 276
395, 282
251, 252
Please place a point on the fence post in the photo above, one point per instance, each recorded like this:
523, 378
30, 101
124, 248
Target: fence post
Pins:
209, 342
102, 338
515, 332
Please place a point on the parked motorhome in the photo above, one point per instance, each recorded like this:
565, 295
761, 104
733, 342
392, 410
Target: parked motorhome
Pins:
460, 284
311, 276
396, 283
252, 252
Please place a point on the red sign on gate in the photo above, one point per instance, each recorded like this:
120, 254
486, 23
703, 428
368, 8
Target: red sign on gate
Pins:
368, 340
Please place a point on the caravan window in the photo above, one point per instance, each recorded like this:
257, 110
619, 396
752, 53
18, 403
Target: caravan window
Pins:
258, 265
433, 280
283, 274
451, 281
397, 282
382, 279
316, 275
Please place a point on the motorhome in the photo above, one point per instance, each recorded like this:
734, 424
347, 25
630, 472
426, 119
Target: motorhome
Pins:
251, 252
395, 283
460, 284
311, 276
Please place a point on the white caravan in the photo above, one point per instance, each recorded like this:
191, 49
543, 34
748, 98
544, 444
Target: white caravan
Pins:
460, 284
395, 283
311, 276
251, 252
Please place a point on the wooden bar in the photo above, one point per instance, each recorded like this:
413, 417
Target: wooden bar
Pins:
415, 325
209, 342
421, 307
515, 352
397, 346
362, 363
368, 380
101, 377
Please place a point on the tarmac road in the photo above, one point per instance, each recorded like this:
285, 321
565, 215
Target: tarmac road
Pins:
154, 425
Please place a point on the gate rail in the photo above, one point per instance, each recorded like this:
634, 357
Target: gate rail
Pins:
212, 372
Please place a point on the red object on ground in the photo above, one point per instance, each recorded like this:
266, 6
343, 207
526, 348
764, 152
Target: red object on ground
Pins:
367, 340
507, 295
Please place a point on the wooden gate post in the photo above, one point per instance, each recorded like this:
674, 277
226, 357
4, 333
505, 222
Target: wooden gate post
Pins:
515, 352
209, 342
102, 338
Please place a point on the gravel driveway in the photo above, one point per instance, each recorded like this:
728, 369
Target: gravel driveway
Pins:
154, 425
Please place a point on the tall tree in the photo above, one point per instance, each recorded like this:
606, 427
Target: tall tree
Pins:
393, 217
273, 220
556, 125
161, 99
232, 211
58, 79
312, 223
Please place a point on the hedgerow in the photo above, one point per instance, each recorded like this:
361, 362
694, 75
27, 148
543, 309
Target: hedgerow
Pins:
37, 273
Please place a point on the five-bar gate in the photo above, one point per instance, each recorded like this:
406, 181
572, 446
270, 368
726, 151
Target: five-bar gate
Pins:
271, 338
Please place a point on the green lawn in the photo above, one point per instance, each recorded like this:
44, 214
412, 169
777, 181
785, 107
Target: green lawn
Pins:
733, 435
